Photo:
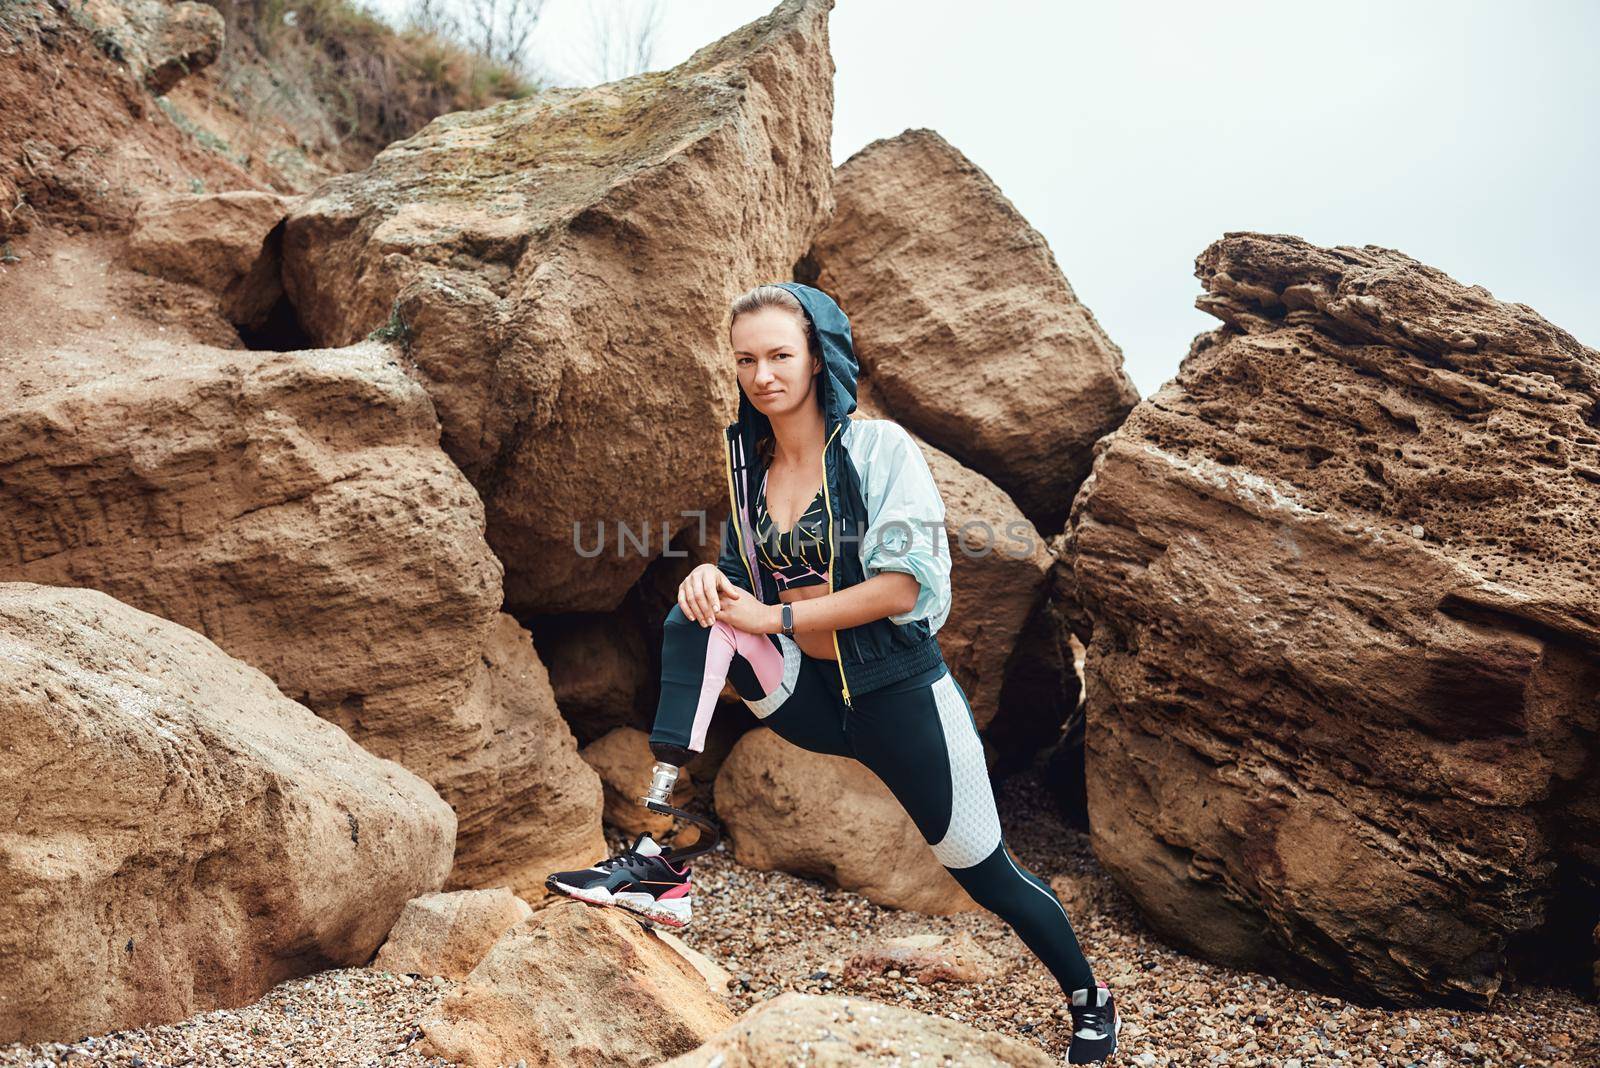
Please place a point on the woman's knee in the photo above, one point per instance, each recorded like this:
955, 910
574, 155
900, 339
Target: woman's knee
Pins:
676, 618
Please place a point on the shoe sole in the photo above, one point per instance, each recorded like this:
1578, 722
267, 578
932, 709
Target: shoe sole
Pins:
676, 912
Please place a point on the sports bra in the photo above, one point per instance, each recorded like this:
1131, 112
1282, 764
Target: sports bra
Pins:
798, 557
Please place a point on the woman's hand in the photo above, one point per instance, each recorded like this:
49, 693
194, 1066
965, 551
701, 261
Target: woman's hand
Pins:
742, 610
703, 592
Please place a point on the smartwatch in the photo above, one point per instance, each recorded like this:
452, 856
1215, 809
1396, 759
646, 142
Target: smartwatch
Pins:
788, 621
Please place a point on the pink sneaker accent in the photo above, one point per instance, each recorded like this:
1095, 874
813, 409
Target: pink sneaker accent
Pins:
676, 891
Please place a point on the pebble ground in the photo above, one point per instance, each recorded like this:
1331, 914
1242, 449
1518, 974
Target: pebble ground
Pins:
777, 932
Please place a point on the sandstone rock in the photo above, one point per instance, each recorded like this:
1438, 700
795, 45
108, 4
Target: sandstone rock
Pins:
795, 1028
716, 976
827, 817
563, 267
1346, 626
623, 760
998, 572
940, 276
82, 149
218, 241
929, 957
296, 509
576, 984
528, 803
179, 836
599, 670
1077, 894
449, 934
1040, 693
161, 42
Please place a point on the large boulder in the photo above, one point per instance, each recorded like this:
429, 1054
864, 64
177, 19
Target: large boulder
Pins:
175, 834
796, 1028
225, 243
504, 757
296, 509
576, 984
829, 817
562, 266
965, 324
449, 934
1345, 613
599, 670
998, 570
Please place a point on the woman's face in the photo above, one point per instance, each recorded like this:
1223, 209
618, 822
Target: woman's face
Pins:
775, 370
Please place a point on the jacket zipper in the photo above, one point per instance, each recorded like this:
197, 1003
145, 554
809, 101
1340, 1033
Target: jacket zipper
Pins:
833, 562
833, 567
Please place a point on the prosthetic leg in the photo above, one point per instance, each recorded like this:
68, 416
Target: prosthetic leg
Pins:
651, 883
663, 776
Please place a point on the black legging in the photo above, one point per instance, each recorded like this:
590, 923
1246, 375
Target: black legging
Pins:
917, 735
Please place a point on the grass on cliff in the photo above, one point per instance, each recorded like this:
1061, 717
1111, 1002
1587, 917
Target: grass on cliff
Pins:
382, 84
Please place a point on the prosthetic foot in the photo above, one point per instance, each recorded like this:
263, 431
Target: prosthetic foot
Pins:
644, 879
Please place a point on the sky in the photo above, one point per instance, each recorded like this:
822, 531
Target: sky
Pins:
1133, 134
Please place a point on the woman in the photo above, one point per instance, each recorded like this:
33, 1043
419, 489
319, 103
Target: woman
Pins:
822, 609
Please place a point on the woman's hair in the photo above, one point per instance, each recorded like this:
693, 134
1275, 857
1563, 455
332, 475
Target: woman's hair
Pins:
770, 296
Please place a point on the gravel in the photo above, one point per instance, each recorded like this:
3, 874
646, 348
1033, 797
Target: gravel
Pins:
777, 932
346, 1016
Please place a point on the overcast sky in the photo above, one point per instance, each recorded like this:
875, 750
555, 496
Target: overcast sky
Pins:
1133, 134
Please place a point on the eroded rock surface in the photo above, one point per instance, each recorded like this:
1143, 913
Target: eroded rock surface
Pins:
799, 1028
449, 934
178, 835
161, 42
563, 265
964, 323
930, 957
1345, 609
218, 241
576, 984
828, 817
296, 509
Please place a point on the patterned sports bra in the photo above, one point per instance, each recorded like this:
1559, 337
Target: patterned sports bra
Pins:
799, 557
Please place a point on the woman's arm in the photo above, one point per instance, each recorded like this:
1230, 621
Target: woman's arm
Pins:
882, 595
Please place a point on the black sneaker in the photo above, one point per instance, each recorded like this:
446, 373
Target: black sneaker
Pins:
638, 879
1095, 1024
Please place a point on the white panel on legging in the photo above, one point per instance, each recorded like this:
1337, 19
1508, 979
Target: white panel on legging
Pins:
791, 674
974, 829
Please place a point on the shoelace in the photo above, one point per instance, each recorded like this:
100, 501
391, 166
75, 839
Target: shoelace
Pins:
628, 856
1093, 1018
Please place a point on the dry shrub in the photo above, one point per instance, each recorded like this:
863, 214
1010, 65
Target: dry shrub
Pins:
381, 84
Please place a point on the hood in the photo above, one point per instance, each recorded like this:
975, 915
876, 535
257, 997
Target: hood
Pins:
839, 366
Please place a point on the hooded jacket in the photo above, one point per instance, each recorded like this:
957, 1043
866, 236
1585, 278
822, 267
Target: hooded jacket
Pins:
883, 513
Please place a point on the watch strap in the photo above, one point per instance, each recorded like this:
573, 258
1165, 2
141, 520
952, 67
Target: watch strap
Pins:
788, 621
